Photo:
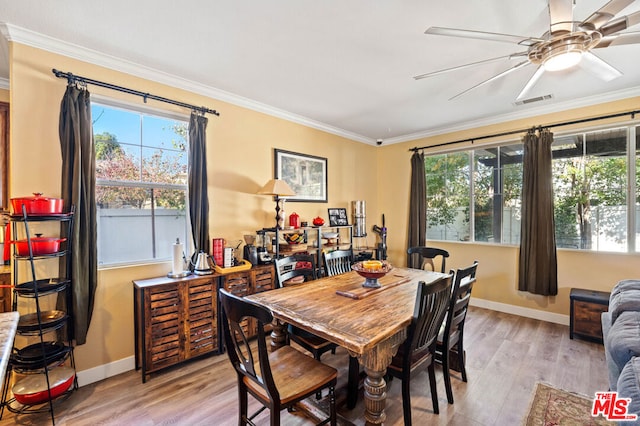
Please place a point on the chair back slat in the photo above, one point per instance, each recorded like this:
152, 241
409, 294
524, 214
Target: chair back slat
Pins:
234, 310
422, 257
289, 267
460, 297
337, 262
431, 305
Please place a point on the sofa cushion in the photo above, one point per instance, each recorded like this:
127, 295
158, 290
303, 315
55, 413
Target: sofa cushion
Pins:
626, 300
625, 285
629, 385
623, 342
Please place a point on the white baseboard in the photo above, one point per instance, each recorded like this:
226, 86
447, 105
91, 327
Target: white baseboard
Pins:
101, 372
105, 371
520, 311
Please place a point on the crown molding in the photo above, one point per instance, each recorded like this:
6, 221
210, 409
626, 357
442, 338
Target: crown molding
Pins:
30, 38
20, 35
529, 113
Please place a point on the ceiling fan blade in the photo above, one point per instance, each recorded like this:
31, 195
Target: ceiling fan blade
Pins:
598, 67
532, 81
482, 35
604, 14
472, 64
619, 39
619, 24
495, 77
561, 15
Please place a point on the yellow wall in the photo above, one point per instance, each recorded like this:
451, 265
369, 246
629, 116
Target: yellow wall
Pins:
240, 159
498, 265
4, 95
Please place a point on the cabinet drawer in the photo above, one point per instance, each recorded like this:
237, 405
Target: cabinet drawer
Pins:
263, 280
587, 319
237, 285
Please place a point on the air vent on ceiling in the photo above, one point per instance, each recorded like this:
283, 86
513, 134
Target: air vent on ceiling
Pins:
532, 100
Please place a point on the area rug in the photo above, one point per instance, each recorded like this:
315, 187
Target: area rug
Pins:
555, 407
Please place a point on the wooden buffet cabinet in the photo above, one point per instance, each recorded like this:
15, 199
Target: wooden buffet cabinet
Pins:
255, 280
176, 319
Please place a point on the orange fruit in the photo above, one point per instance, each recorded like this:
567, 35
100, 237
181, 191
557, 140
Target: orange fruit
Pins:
372, 264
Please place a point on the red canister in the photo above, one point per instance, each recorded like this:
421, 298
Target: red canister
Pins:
294, 220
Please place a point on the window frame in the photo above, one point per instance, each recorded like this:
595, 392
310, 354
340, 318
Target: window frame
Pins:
631, 158
159, 113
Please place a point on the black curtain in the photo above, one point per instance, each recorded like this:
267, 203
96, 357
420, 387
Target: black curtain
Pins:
78, 190
198, 196
538, 271
417, 206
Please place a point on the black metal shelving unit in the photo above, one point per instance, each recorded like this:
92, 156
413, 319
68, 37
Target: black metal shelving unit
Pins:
343, 242
51, 359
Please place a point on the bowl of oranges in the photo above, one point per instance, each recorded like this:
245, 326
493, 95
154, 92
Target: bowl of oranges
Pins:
372, 270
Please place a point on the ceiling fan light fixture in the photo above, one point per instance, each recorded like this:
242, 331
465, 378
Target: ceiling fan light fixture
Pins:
562, 60
562, 51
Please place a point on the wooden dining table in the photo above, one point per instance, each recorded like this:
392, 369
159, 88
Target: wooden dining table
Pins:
369, 322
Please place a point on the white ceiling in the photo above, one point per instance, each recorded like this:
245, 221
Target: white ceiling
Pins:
343, 66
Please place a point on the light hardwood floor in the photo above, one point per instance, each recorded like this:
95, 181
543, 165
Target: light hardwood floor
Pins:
506, 356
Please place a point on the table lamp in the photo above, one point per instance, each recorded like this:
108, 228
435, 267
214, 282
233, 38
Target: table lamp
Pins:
278, 188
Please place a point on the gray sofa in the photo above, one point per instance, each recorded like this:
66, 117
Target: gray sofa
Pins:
621, 333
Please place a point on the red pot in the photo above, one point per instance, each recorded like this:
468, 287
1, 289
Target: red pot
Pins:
32, 390
39, 245
37, 204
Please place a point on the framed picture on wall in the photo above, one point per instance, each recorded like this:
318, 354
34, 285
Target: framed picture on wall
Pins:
305, 174
338, 217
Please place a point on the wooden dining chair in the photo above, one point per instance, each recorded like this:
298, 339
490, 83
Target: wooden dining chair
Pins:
427, 257
337, 262
452, 332
297, 265
303, 266
418, 350
276, 379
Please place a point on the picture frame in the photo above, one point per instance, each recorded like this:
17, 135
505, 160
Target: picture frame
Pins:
338, 217
305, 174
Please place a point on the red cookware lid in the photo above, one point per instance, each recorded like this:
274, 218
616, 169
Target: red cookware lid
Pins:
36, 196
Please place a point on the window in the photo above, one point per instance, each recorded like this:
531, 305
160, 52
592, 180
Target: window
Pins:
593, 174
497, 188
494, 215
448, 196
141, 184
590, 190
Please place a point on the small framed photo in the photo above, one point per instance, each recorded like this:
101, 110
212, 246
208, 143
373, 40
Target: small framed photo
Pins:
338, 217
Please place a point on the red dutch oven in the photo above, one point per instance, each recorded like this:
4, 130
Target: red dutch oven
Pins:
32, 390
39, 244
37, 204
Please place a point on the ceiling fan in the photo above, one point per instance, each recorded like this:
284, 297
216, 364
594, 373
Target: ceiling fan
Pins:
565, 45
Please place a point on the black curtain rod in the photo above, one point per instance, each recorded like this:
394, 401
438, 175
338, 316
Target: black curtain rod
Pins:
513, 132
72, 78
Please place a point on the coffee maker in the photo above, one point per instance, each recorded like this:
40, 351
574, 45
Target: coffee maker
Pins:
250, 251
